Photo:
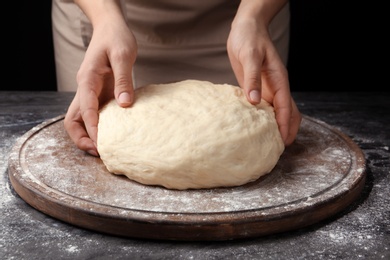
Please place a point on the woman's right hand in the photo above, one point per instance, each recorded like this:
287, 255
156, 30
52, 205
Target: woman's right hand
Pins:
105, 73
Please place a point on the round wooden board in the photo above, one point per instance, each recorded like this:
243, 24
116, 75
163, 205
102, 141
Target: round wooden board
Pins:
316, 177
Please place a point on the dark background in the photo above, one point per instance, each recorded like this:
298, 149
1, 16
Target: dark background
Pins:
326, 53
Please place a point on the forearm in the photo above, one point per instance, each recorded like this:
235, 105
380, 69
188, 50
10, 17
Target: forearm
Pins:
261, 10
101, 10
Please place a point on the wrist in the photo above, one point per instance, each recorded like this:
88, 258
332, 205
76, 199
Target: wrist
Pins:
101, 10
262, 11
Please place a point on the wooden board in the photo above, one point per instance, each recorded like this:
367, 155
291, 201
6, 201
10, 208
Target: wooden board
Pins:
315, 178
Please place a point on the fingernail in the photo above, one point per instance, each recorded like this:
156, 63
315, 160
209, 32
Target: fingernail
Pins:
93, 152
254, 95
124, 98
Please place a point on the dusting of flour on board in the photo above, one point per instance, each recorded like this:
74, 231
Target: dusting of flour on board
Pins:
311, 168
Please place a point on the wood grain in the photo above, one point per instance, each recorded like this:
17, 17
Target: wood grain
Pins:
316, 177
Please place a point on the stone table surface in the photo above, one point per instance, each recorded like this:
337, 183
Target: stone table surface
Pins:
361, 231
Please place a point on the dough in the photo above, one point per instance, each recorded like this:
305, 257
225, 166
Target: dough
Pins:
189, 135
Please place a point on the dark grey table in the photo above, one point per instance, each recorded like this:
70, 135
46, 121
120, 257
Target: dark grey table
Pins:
361, 231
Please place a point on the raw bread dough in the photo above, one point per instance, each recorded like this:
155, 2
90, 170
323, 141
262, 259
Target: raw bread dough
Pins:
189, 135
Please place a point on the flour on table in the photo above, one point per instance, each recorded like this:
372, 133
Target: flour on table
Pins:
189, 135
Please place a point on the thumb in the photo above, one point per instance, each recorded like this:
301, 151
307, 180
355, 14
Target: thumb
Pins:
252, 82
123, 82
124, 90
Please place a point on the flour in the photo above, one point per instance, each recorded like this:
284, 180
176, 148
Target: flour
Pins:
305, 171
5, 147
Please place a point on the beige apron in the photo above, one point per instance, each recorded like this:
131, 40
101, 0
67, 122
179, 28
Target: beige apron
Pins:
177, 40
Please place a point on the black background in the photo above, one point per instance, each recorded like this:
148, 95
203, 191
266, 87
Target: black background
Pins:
328, 49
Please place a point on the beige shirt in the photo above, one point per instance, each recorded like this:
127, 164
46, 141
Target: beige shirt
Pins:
177, 40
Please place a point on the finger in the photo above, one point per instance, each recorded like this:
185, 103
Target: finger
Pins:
251, 66
295, 122
236, 66
76, 130
246, 64
282, 106
89, 107
123, 81
278, 93
277, 90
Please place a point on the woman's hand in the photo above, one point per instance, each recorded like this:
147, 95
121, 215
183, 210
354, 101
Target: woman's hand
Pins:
105, 73
257, 65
